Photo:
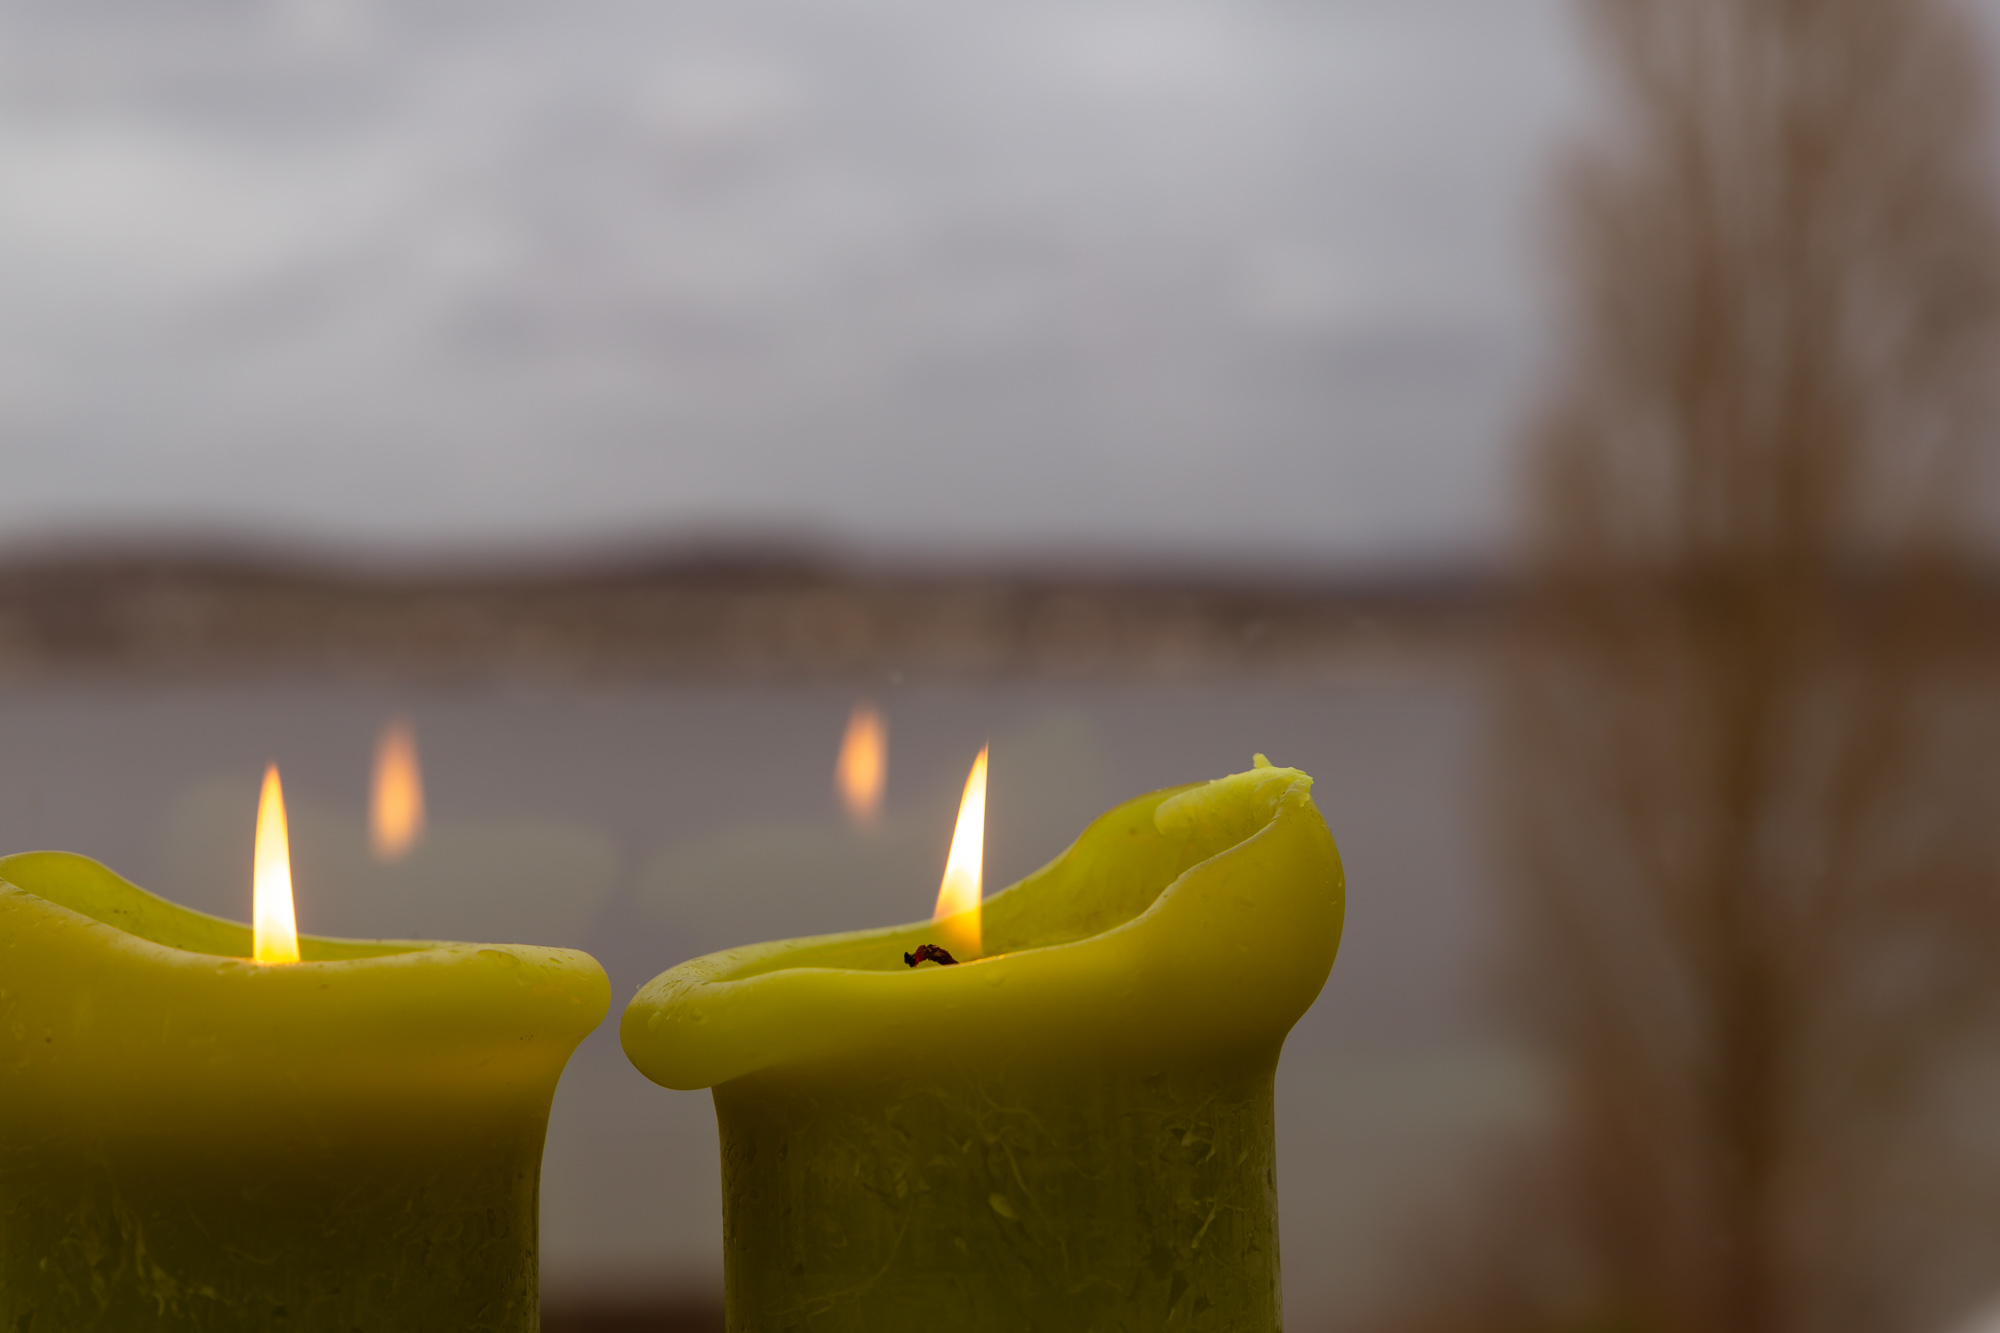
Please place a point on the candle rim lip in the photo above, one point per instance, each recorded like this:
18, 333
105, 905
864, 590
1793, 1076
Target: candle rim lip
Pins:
125, 1014
372, 952
706, 1022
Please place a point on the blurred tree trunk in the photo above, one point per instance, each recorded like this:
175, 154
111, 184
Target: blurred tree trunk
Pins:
1749, 777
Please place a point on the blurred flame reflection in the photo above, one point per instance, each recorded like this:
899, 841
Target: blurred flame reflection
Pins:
863, 767
396, 800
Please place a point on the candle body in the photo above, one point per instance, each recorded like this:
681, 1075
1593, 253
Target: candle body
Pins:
341, 1226
1073, 1132
1113, 1201
193, 1141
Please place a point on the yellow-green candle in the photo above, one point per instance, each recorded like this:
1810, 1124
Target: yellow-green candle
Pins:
193, 1140
1072, 1131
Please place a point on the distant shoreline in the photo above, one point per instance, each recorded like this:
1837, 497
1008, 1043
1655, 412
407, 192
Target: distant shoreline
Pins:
702, 616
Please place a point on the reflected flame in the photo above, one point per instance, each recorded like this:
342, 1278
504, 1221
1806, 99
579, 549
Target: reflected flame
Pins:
863, 766
958, 897
396, 800
275, 929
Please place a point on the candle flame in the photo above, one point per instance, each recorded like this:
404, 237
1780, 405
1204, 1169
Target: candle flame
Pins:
274, 927
396, 799
958, 897
863, 766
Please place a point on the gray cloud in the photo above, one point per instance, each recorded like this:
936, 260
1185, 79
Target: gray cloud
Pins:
1187, 275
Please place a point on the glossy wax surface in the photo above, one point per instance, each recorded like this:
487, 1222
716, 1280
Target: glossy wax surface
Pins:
1071, 1132
192, 1140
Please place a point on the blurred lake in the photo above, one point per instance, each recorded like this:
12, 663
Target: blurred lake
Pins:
650, 824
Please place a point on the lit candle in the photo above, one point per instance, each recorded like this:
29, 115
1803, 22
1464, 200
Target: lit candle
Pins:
194, 1138
1071, 1128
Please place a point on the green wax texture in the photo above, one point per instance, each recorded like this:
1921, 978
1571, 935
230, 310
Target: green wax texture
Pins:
1071, 1132
190, 1140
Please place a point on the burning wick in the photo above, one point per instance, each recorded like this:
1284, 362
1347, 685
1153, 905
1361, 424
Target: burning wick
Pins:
274, 929
396, 799
929, 953
863, 767
957, 912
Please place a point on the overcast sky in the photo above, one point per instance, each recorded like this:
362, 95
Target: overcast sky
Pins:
1189, 277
